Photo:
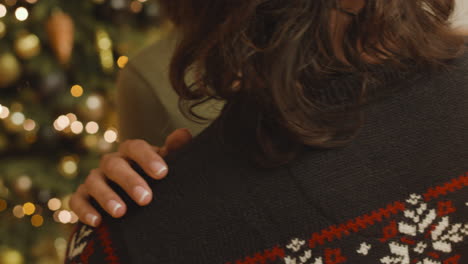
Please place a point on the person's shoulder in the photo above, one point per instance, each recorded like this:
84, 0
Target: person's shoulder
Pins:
151, 62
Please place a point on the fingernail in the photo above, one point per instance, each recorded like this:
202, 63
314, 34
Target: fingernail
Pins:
114, 206
91, 219
158, 169
141, 194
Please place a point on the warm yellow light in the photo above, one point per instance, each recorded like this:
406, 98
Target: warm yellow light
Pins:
104, 43
76, 91
74, 218
54, 204
21, 13
93, 102
29, 125
63, 122
92, 127
5, 112
57, 126
110, 136
31, 1
122, 61
24, 183
70, 167
77, 127
18, 211
64, 217
71, 117
29, 208
37, 220
3, 205
136, 7
3, 10
17, 118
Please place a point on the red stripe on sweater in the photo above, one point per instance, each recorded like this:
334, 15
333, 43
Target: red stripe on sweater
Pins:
361, 222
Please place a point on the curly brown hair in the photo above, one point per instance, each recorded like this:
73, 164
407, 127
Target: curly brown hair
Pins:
265, 57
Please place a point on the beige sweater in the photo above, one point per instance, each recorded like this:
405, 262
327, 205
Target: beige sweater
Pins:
148, 107
146, 104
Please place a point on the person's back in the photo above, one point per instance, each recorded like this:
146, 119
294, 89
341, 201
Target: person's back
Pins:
397, 193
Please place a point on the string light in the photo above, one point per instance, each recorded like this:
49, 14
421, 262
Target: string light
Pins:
76, 91
110, 136
21, 13
74, 218
136, 6
29, 208
29, 125
71, 117
93, 102
3, 11
122, 61
54, 204
64, 216
24, 183
37, 220
17, 118
69, 166
18, 211
92, 127
77, 127
61, 123
5, 112
60, 245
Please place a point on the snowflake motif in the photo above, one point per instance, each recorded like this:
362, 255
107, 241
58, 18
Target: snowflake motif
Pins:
364, 249
420, 247
417, 218
453, 234
296, 244
302, 257
79, 241
400, 252
429, 261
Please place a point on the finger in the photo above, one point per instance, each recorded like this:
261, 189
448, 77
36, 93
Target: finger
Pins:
118, 170
98, 188
177, 139
144, 155
79, 203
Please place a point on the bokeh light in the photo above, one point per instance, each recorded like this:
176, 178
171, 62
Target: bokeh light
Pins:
54, 204
18, 211
29, 208
92, 127
76, 91
21, 13
110, 136
64, 217
37, 220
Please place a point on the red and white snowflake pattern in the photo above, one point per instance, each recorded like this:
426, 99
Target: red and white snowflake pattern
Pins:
419, 230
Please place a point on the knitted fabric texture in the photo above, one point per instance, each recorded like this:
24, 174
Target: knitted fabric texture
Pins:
398, 194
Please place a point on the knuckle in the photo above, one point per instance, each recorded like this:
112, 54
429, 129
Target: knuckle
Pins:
137, 144
90, 180
105, 159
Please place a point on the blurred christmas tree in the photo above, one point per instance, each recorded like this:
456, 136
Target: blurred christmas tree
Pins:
58, 62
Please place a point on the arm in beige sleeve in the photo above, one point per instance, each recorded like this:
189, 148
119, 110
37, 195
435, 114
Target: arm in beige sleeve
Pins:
141, 114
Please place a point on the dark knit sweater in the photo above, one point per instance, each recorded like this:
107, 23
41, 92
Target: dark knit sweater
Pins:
398, 194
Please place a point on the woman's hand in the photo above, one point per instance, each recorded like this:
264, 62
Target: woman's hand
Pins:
115, 166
